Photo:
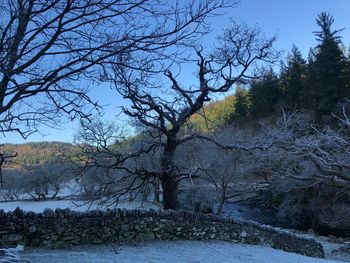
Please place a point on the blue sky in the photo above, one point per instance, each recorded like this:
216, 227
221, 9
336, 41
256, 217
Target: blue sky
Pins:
292, 20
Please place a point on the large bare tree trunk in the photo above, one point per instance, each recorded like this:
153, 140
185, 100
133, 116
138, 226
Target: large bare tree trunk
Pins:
168, 178
170, 185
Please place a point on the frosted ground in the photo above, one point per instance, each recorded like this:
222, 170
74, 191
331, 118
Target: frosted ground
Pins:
170, 252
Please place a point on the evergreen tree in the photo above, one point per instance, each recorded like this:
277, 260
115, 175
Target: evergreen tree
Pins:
327, 74
348, 76
309, 94
242, 102
265, 94
293, 76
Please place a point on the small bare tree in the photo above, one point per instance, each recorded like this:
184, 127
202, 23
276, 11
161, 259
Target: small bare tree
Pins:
108, 164
44, 181
227, 163
3, 158
222, 169
13, 184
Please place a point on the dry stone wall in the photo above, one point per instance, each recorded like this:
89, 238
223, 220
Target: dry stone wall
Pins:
64, 228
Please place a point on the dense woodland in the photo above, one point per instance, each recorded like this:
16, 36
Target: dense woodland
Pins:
318, 84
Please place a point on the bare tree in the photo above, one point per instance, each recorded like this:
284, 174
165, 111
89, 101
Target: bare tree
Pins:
309, 166
242, 49
314, 154
222, 170
3, 159
51, 51
44, 181
227, 163
49, 48
40, 182
108, 163
13, 184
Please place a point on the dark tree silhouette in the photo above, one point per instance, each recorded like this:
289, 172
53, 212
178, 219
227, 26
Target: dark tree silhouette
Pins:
293, 79
265, 93
242, 103
3, 158
164, 117
327, 70
49, 48
50, 51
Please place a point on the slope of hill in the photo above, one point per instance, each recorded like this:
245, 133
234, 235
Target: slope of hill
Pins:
214, 115
37, 152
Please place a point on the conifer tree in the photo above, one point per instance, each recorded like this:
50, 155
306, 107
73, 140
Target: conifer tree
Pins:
309, 94
327, 74
348, 76
293, 76
242, 102
265, 94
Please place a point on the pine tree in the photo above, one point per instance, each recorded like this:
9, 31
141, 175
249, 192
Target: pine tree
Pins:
265, 94
242, 103
348, 76
293, 76
309, 94
327, 74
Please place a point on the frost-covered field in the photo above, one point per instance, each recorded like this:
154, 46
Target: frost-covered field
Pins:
170, 252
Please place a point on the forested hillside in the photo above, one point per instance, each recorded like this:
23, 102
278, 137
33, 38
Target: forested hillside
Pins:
37, 152
214, 115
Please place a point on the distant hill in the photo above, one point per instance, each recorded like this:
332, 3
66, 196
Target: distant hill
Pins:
217, 114
38, 152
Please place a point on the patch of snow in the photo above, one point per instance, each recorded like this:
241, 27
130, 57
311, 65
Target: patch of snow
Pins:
69, 189
333, 250
40, 206
11, 255
171, 252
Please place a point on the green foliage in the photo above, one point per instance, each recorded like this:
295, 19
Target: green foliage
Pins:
348, 75
293, 79
265, 94
242, 103
318, 85
327, 70
38, 152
